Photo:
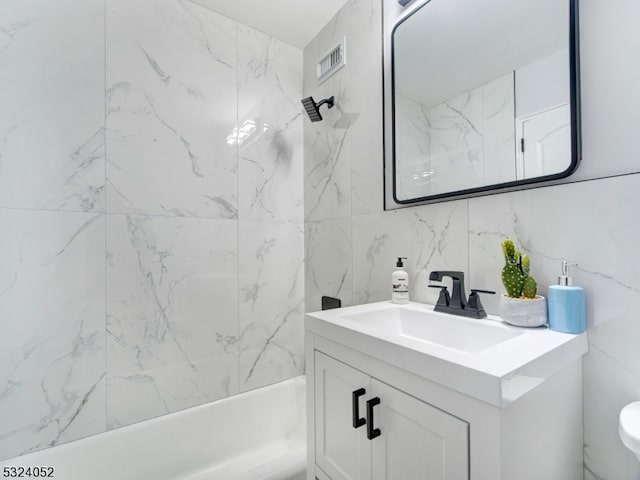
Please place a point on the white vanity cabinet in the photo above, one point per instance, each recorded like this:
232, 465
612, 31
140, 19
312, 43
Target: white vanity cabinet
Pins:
383, 406
366, 429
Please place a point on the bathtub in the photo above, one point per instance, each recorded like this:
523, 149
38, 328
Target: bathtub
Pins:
255, 435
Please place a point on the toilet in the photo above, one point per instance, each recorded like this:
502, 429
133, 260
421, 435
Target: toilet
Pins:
629, 427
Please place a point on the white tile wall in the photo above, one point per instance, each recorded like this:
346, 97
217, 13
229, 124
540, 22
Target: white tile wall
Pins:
343, 153
172, 314
52, 355
269, 93
328, 262
186, 283
171, 103
431, 240
271, 294
52, 97
609, 87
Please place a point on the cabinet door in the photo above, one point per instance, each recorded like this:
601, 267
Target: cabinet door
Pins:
417, 440
342, 451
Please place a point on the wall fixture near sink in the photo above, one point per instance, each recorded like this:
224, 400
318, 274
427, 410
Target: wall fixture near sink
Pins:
480, 95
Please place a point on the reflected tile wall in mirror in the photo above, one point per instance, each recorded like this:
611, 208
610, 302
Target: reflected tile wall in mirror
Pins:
471, 73
447, 145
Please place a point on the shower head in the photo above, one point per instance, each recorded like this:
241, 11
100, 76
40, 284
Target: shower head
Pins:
313, 108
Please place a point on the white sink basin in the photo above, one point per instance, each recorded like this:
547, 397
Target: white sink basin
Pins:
458, 333
483, 358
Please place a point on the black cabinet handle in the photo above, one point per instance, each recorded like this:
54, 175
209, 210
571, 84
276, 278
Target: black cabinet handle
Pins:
371, 431
355, 396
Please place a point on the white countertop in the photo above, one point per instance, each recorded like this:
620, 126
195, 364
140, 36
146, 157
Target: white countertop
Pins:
497, 374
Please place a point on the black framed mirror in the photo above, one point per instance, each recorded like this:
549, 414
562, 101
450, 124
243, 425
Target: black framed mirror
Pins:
484, 97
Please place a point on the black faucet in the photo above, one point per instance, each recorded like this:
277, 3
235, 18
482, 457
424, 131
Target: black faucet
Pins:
457, 303
458, 296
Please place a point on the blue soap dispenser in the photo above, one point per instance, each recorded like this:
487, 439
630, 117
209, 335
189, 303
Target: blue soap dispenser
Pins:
566, 304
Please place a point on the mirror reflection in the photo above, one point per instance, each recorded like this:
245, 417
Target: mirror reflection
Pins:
482, 95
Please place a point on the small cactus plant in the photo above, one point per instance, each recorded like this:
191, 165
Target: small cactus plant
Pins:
515, 274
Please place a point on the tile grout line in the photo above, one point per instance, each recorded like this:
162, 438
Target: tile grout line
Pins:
237, 63
106, 351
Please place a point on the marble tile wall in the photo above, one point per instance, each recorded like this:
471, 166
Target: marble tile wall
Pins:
592, 220
52, 146
172, 314
414, 173
498, 112
171, 103
457, 138
446, 147
52, 347
52, 223
151, 255
271, 302
343, 153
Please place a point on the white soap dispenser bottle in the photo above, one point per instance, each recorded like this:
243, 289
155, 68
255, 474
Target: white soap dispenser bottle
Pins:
400, 283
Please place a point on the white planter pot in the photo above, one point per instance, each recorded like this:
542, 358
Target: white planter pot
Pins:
523, 312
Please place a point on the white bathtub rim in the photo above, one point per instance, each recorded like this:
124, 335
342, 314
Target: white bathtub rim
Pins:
191, 437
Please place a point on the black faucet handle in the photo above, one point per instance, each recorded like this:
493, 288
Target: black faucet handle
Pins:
474, 304
490, 292
444, 299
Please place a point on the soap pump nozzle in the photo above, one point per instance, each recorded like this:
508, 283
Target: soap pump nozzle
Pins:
399, 263
565, 278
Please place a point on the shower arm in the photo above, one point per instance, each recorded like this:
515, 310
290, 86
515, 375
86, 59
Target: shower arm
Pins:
328, 101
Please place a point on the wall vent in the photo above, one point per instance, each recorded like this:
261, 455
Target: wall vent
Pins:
332, 61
